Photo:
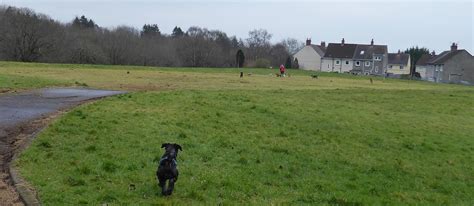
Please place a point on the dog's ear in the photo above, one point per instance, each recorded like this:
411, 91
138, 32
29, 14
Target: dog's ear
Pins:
164, 145
177, 146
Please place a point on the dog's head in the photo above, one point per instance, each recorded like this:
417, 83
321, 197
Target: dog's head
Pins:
171, 150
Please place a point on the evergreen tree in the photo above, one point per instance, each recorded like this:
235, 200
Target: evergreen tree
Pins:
296, 65
150, 30
288, 63
234, 42
240, 58
83, 22
415, 55
177, 32
90, 24
76, 22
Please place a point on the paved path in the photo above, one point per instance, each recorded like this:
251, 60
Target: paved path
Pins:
20, 116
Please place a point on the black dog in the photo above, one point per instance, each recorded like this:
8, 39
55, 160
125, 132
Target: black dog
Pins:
168, 168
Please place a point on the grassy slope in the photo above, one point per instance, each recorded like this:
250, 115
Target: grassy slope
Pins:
258, 140
11, 82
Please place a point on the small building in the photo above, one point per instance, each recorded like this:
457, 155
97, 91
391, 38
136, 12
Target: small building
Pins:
309, 57
338, 57
370, 59
424, 69
453, 66
355, 58
398, 63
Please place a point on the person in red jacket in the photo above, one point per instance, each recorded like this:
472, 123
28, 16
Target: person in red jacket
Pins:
282, 70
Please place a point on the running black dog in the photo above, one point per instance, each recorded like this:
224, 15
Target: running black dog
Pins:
168, 168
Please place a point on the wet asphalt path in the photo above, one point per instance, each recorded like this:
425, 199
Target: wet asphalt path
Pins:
30, 105
17, 113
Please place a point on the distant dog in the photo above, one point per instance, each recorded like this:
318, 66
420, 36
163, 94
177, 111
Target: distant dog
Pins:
278, 75
315, 76
168, 168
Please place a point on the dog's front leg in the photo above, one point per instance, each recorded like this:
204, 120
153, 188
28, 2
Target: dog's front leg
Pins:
171, 186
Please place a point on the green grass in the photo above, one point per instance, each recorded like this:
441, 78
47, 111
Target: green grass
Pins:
10, 82
134, 78
337, 140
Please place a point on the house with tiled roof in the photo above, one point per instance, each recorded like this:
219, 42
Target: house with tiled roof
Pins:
453, 66
338, 57
355, 58
425, 70
398, 64
309, 57
370, 59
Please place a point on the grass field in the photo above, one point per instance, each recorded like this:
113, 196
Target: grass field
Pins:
336, 140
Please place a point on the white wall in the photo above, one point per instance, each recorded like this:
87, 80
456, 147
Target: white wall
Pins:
346, 65
330, 65
326, 65
396, 69
308, 59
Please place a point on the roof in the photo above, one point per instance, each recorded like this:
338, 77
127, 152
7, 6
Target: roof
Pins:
367, 51
445, 56
335, 50
398, 58
424, 59
319, 49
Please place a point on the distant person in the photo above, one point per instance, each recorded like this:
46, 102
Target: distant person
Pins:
282, 70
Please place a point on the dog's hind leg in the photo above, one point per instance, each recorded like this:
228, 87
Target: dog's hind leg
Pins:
162, 183
170, 186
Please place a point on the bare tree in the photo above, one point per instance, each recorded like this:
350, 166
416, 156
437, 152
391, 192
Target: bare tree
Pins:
25, 34
120, 45
278, 55
258, 43
292, 45
28, 36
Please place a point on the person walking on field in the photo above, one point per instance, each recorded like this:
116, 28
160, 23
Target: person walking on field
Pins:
282, 70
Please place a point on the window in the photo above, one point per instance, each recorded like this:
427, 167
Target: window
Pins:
401, 67
347, 62
362, 52
357, 63
390, 66
367, 64
338, 62
378, 58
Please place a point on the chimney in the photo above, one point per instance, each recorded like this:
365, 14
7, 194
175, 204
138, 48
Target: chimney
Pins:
323, 44
454, 47
399, 51
342, 42
433, 53
308, 42
372, 42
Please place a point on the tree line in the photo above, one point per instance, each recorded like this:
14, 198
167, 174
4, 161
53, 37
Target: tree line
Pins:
28, 36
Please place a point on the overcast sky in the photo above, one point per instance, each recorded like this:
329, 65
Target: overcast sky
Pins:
399, 24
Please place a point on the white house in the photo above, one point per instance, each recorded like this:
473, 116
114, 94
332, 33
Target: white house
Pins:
355, 58
424, 69
309, 57
398, 63
338, 57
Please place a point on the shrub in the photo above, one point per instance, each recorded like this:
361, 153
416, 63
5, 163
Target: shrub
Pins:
262, 63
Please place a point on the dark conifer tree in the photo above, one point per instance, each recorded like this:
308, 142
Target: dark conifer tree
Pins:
296, 65
240, 58
288, 63
177, 32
